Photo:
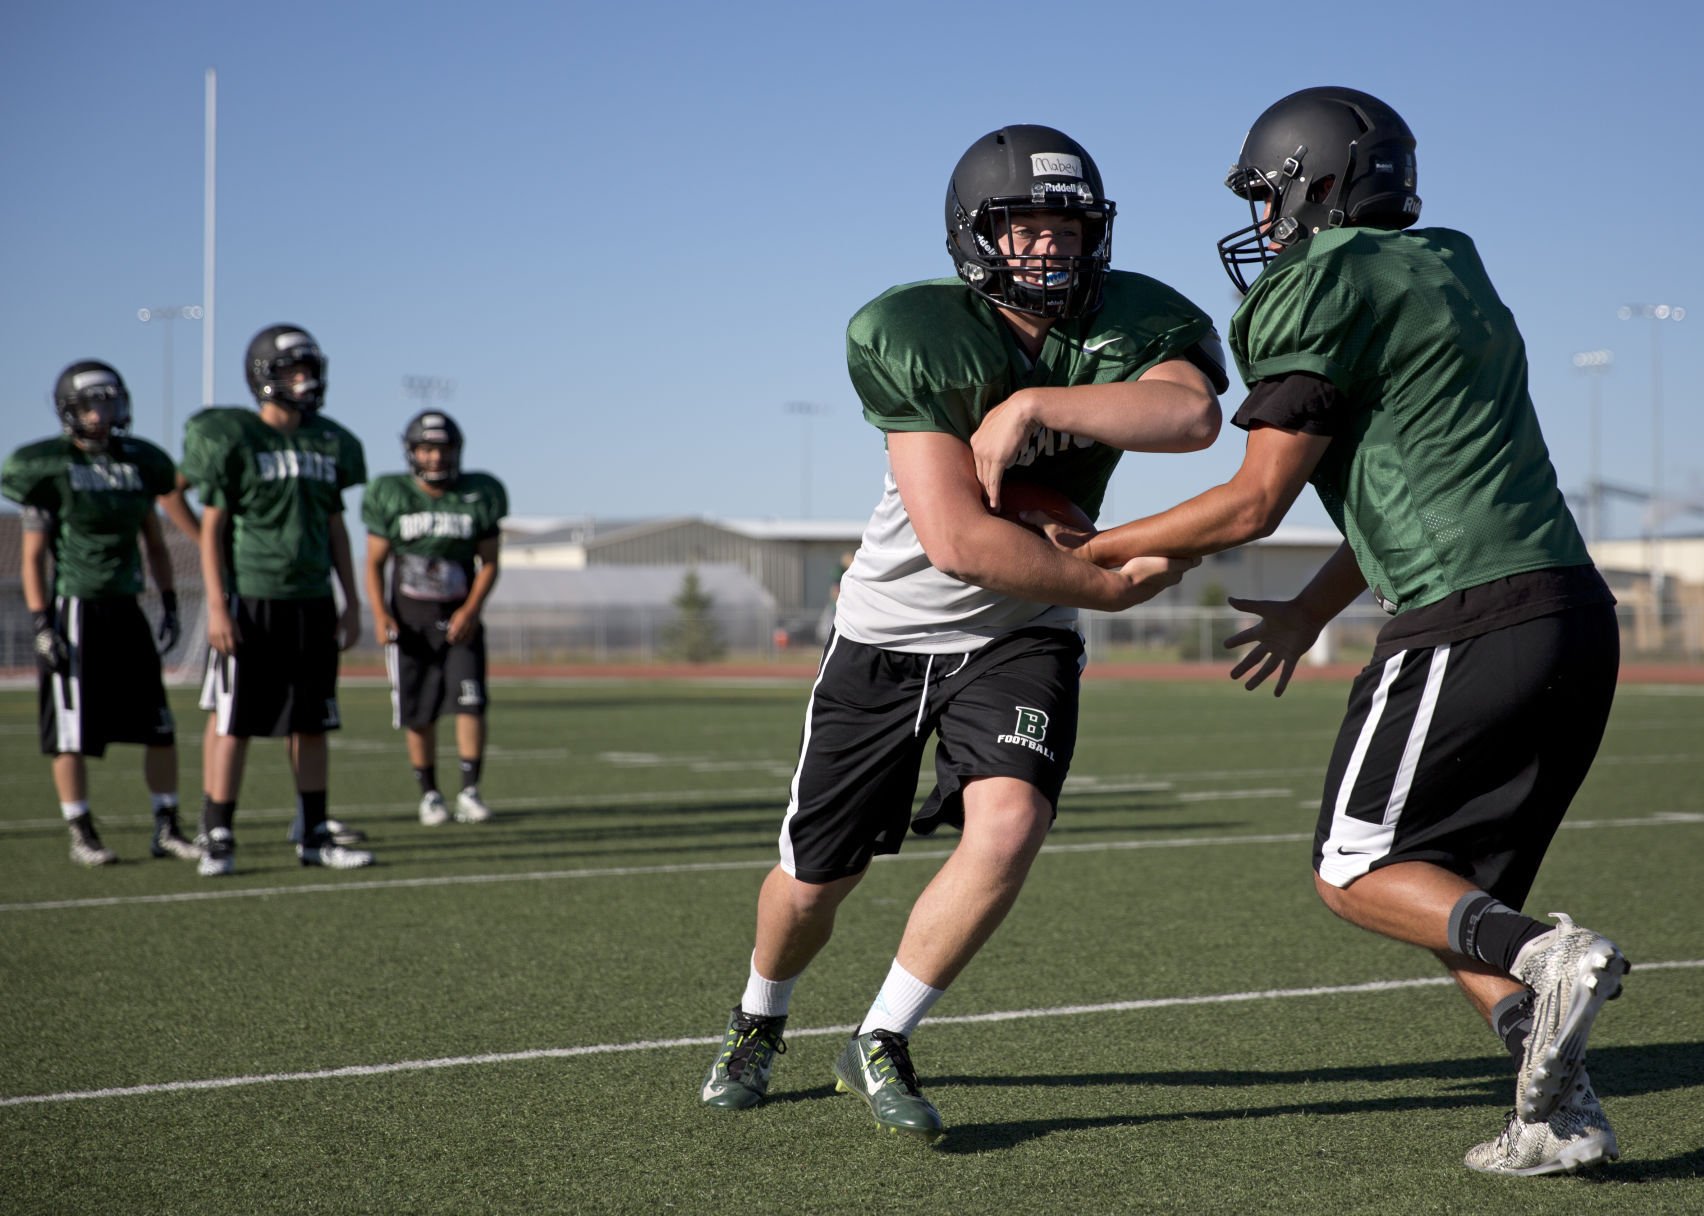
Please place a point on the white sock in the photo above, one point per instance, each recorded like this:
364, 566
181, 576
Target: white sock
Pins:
764, 997
164, 802
74, 810
902, 1004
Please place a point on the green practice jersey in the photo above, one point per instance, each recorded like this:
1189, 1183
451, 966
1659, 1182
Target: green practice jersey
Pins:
935, 356
1444, 481
280, 491
96, 502
434, 538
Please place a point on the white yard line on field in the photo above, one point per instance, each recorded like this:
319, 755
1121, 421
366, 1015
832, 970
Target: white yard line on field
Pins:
1661, 819
599, 1049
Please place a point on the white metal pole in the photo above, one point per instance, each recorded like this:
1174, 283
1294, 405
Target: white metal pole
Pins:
208, 215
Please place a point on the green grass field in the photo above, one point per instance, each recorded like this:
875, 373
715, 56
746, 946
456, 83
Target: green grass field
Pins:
516, 1017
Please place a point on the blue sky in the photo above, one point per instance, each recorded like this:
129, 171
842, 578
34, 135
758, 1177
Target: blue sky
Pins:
631, 234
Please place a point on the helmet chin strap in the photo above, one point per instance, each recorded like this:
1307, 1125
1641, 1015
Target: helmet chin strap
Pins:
1335, 217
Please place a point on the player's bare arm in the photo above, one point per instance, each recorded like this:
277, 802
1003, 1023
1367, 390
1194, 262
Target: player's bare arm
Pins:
1287, 629
465, 619
221, 629
378, 556
349, 628
1249, 506
177, 509
37, 596
160, 566
1169, 408
936, 476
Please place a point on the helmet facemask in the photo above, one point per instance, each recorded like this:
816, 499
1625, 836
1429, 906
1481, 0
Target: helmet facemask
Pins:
434, 431
287, 368
1060, 286
92, 388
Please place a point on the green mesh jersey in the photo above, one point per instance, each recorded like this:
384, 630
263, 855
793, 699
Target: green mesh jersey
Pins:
434, 539
1444, 481
281, 492
935, 356
97, 502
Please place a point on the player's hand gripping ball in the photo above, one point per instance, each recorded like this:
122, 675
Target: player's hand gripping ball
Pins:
1017, 497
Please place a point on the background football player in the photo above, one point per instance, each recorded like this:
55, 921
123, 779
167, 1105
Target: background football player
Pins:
433, 536
86, 495
954, 621
1383, 367
271, 487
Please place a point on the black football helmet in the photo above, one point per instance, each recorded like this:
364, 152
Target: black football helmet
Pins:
1325, 157
1019, 171
436, 428
91, 385
275, 354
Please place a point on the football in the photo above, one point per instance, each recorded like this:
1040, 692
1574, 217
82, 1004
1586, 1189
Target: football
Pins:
1016, 497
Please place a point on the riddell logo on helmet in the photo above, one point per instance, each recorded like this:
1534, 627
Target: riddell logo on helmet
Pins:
1055, 164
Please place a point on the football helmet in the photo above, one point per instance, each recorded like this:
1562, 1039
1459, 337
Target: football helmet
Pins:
434, 428
1026, 170
275, 355
91, 385
1325, 157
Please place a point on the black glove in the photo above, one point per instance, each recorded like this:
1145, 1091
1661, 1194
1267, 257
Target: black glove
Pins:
170, 631
52, 651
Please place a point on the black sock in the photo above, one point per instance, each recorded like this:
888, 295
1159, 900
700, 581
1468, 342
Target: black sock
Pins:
312, 805
1511, 1018
217, 814
427, 777
470, 772
1484, 928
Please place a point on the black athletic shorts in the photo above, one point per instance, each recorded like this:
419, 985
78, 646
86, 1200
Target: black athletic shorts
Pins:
282, 680
1007, 710
427, 674
112, 692
1466, 755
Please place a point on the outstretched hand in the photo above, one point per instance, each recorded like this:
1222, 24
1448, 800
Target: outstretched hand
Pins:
1281, 637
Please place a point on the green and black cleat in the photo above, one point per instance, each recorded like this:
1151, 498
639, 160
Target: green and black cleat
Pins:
739, 1078
877, 1067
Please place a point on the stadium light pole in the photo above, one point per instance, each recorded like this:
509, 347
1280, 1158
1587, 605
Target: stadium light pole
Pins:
806, 410
1656, 314
1594, 363
166, 314
428, 390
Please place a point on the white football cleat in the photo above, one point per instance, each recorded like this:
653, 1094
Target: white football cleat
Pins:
469, 808
1572, 972
1576, 1137
433, 810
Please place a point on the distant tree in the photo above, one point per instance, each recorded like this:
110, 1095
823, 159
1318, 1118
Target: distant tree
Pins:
693, 636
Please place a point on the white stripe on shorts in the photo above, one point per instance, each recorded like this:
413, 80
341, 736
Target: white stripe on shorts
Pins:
787, 862
393, 670
1355, 844
68, 688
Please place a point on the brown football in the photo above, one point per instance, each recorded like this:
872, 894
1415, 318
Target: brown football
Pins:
1016, 497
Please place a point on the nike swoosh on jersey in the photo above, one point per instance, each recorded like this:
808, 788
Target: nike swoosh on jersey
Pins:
1103, 344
